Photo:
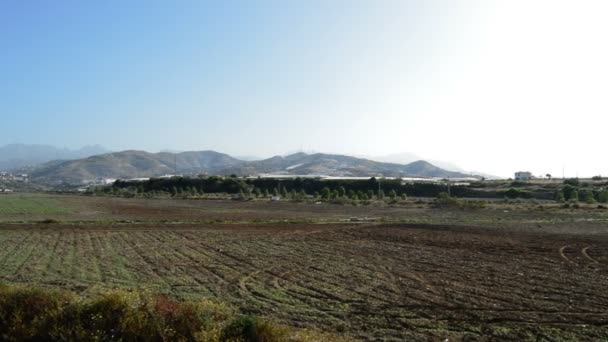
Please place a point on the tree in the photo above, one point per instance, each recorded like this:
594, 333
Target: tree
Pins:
573, 196
588, 196
341, 191
325, 193
559, 196
256, 192
548, 175
392, 194
570, 192
380, 194
602, 197
513, 193
350, 193
370, 194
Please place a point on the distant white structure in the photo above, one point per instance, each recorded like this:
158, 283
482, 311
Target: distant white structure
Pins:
523, 175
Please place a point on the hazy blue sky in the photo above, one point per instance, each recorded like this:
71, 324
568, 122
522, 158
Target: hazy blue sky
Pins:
495, 86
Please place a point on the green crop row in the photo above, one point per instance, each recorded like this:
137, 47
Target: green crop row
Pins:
19, 205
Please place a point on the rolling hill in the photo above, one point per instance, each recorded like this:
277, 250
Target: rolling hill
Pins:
134, 164
130, 164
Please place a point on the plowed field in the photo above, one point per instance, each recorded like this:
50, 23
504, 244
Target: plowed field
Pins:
388, 282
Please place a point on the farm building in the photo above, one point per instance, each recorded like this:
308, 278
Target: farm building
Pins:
523, 175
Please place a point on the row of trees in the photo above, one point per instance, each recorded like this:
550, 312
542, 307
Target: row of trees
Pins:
573, 193
182, 190
264, 187
365, 189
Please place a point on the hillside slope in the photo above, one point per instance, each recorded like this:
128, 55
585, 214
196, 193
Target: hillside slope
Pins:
131, 164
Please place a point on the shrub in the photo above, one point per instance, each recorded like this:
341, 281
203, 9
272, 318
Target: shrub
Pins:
572, 181
50, 221
471, 204
588, 196
445, 200
340, 200
36, 315
241, 329
513, 193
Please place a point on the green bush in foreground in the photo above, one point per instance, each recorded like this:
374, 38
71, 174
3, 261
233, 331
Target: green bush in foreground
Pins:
38, 315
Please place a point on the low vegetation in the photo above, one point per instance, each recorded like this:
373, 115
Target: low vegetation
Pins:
41, 315
30, 205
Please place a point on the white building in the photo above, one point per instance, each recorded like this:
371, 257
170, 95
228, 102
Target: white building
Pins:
523, 175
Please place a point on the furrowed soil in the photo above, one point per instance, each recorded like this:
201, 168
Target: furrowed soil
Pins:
423, 274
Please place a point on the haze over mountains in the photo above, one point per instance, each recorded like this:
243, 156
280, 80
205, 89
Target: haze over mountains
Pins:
134, 164
53, 165
15, 156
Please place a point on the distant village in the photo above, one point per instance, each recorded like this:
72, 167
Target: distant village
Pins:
7, 177
17, 177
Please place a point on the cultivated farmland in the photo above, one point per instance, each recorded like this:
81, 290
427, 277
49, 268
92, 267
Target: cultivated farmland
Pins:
410, 272
20, 205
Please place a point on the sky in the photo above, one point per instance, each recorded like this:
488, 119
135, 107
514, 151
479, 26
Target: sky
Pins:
492, 86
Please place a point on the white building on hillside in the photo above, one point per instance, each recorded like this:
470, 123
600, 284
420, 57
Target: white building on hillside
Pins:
523, 175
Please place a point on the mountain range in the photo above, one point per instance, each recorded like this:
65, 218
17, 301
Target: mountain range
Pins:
135, 164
